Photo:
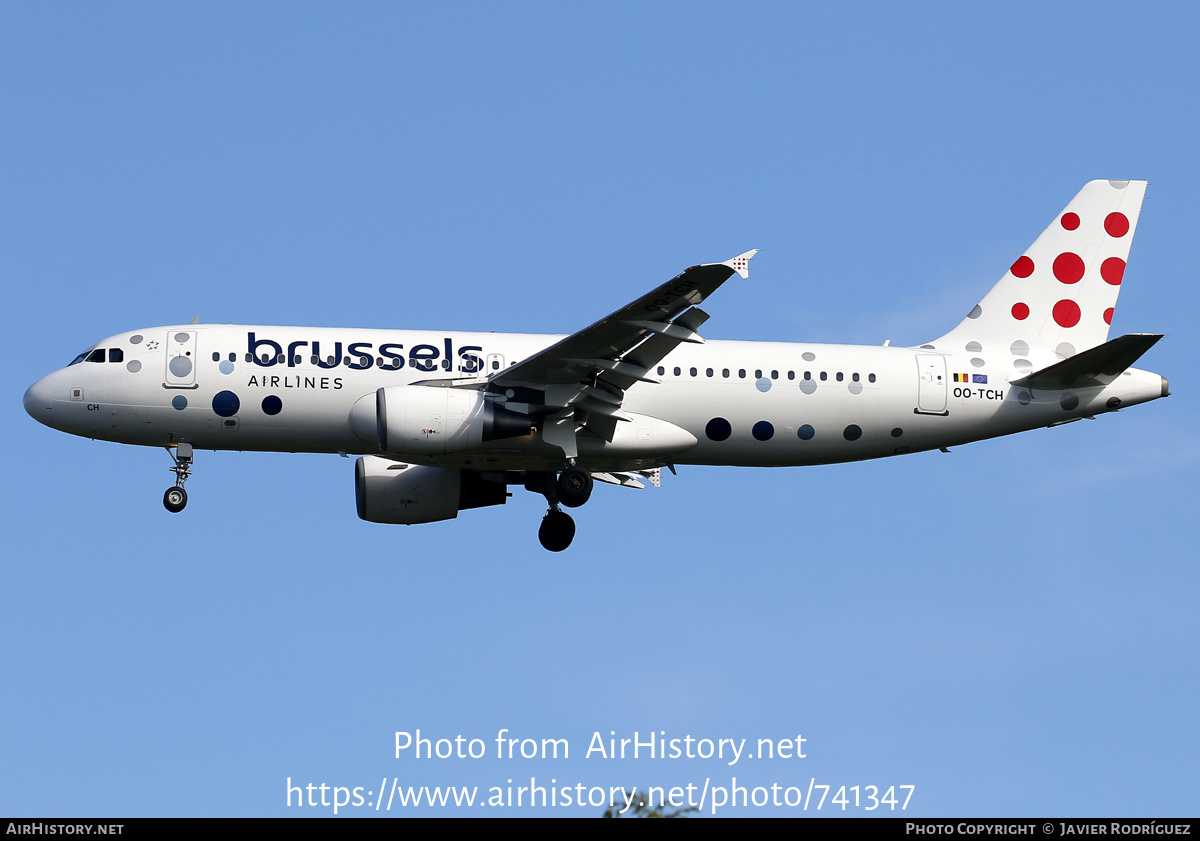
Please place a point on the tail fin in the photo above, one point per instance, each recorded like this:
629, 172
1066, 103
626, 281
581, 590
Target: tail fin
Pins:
1058, 297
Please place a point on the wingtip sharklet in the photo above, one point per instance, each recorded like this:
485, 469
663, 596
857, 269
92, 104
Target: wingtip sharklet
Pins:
741, 263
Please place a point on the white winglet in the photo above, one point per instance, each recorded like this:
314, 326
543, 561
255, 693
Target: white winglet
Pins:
741, 263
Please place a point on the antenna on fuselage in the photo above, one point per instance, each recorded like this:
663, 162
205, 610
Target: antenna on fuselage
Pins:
195, 320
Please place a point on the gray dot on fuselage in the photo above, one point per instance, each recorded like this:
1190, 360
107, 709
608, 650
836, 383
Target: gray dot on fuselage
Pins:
1022, 365
1019, 348
133, 366
226, 367
1024, 398
975, 313
1065, 349
977, 362
1069, 401
763, 384
808, 356
974, 347
180, 366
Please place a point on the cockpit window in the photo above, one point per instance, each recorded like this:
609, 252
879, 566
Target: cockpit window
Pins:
116, 355
79, 358
97, 355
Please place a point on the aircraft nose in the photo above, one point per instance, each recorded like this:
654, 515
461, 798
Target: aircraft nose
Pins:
37, 400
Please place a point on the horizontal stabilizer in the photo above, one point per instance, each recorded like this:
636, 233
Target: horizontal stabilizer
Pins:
1096, 366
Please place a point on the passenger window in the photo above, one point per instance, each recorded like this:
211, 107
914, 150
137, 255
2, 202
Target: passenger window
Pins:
708, 372
661, 370
870, 378
839, 376
742, 373
824, 376
693, 372
725, 372
116, 355
758, 375
774, 375
249, 357
216, 357
791, 375
97, 355
854, 377
233, 357
678, 371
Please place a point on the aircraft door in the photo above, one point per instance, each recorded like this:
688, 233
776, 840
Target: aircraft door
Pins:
931, 389
181, 359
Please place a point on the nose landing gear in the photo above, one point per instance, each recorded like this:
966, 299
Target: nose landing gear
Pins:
175, 498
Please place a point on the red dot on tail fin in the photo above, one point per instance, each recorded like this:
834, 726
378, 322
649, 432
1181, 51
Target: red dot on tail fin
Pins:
1068, 267
1116, 224
1066, 313
1112, 270
1023, 267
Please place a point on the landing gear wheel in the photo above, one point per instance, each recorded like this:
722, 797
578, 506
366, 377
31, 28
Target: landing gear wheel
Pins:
175, 499
574, 487
557, 530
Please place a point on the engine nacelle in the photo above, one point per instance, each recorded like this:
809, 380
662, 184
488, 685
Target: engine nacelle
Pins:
386, 491
424, 420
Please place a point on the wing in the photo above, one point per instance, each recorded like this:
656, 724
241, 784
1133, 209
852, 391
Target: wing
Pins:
581, 380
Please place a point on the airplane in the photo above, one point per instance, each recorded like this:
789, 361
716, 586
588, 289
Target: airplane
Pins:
444, 422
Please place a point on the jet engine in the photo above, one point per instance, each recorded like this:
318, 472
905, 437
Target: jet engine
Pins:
389, 492
426, 420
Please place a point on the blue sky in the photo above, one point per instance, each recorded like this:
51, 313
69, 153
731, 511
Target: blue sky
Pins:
1011, 627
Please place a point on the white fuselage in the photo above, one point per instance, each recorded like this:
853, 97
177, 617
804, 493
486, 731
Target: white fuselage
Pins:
745, 403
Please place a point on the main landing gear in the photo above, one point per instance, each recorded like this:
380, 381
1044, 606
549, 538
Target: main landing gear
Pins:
572, 488
175, 498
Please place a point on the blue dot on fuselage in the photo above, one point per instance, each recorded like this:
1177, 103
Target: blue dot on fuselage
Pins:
179, 401
718, 429
226, 404
272, 405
